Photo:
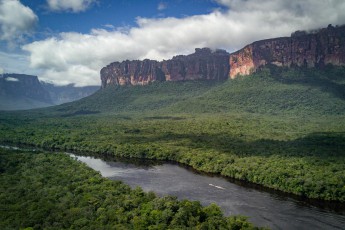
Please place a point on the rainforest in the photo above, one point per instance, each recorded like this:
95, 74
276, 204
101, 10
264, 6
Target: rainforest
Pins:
281, 128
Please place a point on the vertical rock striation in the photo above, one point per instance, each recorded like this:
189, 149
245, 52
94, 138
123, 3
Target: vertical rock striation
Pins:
316, 49
204, 64
131, 73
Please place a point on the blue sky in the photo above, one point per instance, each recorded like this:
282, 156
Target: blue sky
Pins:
118, 13
69, 41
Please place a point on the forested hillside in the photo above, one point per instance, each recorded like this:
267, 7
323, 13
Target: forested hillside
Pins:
281, 128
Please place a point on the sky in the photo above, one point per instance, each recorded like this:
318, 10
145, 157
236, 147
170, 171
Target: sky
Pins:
69, 41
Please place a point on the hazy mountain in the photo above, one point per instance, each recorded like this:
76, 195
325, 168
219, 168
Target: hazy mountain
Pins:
68, 93
21, 91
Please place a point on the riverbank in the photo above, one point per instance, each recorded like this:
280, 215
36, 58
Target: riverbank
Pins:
334, 206
54, 191
263, 209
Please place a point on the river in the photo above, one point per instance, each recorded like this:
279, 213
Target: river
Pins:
263, 208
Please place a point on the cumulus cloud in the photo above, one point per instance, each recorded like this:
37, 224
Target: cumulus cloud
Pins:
16, 20
78, 58
70, 5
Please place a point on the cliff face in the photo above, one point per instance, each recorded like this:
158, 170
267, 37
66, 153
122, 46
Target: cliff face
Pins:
315, 49
203, 64
131, 73
326, 46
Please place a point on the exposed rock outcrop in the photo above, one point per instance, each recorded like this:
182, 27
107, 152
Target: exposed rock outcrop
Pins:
131, 73
203, 64
316, 49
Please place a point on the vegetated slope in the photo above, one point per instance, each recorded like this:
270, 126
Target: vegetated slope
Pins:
270, 91
53, 191
275, 91
21, 103
132, 99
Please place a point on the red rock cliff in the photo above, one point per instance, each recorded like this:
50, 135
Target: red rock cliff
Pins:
326, 46
203, 64
131, 73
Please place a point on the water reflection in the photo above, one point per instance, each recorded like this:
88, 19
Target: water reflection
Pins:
263, 208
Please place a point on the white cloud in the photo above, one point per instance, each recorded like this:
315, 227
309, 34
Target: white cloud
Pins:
78, 74
162, 6
16, 20
78, 58
11, 79
16, 63
70, 5
1, 70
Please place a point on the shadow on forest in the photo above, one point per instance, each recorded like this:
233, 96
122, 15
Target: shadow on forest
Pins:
321, 144
80, 112
327, 79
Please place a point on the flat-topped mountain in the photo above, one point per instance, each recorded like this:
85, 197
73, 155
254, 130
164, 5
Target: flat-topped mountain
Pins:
203, 64
22, 85
21, 91
302, 49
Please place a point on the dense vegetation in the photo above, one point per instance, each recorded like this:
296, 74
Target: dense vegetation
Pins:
53, 191
282, 128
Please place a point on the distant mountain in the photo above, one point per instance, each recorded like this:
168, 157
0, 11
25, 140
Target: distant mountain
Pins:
68, 93
21, 91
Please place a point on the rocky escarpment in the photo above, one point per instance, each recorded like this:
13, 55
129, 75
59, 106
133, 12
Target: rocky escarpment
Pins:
313, 49
132, 73
203, 64
316, 49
